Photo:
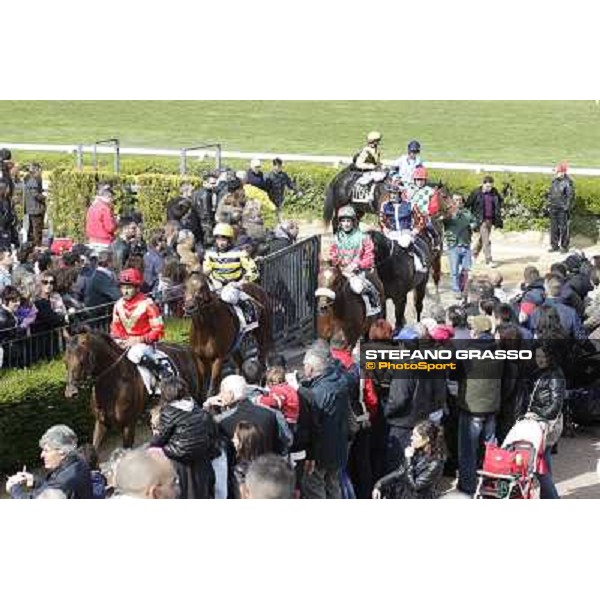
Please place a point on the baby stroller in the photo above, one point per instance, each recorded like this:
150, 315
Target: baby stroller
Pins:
509, 472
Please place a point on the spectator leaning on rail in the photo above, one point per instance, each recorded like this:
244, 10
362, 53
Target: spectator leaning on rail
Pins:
561, 197
485, 202
67, 471
100, 222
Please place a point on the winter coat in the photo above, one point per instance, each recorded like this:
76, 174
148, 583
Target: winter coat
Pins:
35, 201
569, 320
256, 179
475, 204
548, 393
329, 394
186, 432
413, 397
276, 183
561, 194
102, 288
72, 477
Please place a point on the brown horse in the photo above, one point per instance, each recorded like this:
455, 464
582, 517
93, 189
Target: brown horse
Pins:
119, 396
338, 307
215, 327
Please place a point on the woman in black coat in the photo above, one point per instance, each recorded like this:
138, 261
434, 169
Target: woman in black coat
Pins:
546, 404
422, 471
187, 434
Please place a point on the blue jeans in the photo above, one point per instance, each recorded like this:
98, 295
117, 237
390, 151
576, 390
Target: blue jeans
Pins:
460, 258
547, 488
471, 430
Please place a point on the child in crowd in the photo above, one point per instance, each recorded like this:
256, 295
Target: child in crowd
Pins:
248, 442
282, 396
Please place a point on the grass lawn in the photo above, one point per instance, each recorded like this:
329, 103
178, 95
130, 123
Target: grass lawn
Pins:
518, 132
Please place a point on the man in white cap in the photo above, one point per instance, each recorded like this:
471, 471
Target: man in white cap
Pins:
255, 175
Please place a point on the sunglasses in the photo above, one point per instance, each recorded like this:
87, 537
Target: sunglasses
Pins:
47, 282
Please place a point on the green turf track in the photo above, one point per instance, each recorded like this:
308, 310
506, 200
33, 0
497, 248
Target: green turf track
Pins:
532, 132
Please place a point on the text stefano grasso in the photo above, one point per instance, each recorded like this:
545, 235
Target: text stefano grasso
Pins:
447, 354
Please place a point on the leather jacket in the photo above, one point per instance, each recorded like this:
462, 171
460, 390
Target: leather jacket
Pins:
548, 393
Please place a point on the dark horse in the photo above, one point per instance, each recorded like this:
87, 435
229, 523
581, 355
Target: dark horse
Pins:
215, 327
119, 396
396, 269
338, 307
339, 193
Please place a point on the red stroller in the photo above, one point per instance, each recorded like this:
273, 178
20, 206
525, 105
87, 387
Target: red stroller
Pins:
510, 472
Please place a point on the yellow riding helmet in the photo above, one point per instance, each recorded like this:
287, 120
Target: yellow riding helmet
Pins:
374, 136
223, 230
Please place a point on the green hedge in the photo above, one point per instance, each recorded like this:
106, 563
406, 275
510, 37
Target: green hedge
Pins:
70, 191
32, 400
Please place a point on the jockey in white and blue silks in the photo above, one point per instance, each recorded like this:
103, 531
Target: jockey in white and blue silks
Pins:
396, 220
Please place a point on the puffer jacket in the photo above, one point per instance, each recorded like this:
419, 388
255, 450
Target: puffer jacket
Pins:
72, 477
548, 393
187, 433
419, 477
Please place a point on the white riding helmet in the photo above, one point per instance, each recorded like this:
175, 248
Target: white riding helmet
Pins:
374, 136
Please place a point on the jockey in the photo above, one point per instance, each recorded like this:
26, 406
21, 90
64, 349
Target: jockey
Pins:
137, 322
353, 251
396, 220
228, 267
369, 158
420, 195
407, 163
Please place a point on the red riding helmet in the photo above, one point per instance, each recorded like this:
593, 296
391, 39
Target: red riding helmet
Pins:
131, 277
420, 173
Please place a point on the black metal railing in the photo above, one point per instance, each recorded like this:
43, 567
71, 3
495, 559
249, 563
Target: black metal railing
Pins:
289, 277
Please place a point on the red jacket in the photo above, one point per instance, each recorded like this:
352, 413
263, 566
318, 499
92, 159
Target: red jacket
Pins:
100, 223
139, 316
283, 397
368, 388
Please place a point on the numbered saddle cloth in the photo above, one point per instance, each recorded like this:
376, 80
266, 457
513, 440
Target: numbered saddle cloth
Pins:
247, 313
150, 377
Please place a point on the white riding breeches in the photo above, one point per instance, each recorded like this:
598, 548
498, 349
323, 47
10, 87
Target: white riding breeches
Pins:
404, 237
135, 353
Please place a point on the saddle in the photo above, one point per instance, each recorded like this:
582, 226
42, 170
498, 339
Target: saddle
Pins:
152, 374
368, 292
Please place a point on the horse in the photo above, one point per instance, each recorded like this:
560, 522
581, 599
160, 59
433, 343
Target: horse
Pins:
119, 394
338, 307
396, 270
339, 193
215, 332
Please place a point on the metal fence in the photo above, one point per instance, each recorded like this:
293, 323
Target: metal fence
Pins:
289, 277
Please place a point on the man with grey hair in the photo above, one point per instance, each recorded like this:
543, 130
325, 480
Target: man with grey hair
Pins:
236, 407
269, 477
328, 389
146, 475
67, 471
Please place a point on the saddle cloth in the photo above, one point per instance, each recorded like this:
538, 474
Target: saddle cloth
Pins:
246, 312
151, 382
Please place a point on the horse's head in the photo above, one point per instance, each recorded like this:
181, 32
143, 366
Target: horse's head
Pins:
197, 293
79, 362
328, 282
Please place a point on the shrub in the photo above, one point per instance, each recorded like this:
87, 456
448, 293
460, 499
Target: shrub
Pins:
32, 400
524, 194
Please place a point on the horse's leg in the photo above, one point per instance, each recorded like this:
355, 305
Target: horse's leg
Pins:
420, 291
400, 309
128, 435
215, 376
99, 433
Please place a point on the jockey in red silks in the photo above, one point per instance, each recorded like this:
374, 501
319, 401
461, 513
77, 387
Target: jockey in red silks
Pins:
354, 252
137, 322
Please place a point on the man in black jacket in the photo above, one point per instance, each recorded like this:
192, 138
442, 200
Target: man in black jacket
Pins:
485, 203
103, 287
413, 397
560, 202
330, 387
67, 470
277, 181
202, 214
255, 175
